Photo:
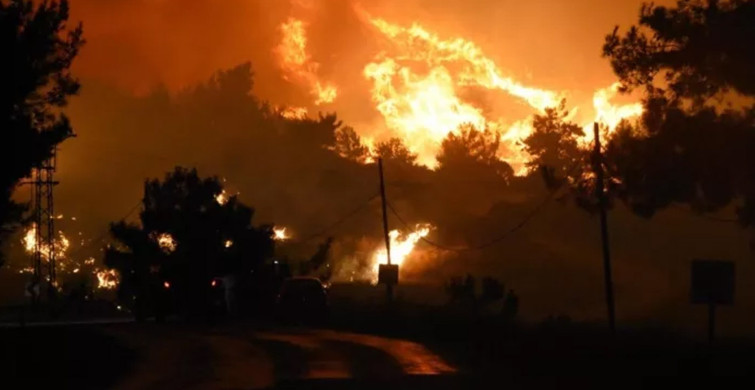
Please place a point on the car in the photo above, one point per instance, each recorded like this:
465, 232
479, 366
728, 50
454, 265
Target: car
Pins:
302, 300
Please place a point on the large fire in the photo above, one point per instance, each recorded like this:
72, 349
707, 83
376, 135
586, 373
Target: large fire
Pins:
423, 107
419, 80
296, 61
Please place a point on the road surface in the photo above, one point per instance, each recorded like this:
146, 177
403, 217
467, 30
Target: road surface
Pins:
240, 358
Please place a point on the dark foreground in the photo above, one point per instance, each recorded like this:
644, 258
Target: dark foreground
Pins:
173, 356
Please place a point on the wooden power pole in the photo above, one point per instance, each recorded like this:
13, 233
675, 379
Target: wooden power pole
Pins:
388, 284
597, 160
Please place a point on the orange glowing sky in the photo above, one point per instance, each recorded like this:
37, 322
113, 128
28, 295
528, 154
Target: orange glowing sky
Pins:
329, 56
138, 44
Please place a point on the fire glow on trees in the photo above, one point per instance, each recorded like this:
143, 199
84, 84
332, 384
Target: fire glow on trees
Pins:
424, 107
418, 81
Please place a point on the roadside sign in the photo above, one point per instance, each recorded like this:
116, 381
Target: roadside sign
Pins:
388, 274
712, 285
712, 282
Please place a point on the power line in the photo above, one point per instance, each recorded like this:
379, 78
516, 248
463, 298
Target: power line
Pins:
491, 242
506, 234
339, 221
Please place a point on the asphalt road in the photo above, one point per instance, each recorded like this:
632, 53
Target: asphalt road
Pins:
240, 358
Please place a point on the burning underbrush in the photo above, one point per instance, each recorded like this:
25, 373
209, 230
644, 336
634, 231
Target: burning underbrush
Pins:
357, 260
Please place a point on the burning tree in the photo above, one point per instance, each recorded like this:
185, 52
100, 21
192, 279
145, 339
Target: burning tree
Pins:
187, 237
35, 80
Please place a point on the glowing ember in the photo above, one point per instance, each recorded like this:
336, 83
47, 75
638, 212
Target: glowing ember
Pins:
26, 270
279, 234
107, 279
221, 198
166, 284
228, 243
166, 242
401, 246
295, 60
89, 261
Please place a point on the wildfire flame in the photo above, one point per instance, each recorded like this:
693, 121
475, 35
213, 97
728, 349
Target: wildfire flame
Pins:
609, 114
294, 113
60, 244
418, 89
402, 246
107, 279
279, 234
295, 60
166, 242
221, 198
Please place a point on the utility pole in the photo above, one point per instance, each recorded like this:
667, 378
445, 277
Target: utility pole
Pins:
388, 284
597, 161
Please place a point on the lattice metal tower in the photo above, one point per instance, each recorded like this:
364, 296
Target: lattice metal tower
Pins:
44, 252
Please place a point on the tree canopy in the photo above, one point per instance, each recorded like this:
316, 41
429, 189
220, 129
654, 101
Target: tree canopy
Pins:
695, 140
190, 232
37, 51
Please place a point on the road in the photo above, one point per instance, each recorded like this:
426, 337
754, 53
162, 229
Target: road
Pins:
241, 358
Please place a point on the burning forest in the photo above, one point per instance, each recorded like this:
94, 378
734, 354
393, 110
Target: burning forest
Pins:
294, 102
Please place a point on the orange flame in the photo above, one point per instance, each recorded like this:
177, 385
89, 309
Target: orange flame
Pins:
279, 234
221, 198
60, 244
166, 242
107, 279
402, 245
294, 113
295, 60
417, 83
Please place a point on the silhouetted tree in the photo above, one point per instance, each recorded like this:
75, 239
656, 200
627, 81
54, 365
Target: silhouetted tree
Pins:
349, 145
35, 82
492, 290
394, 151
695, 141
470, 149
188, 234
699, 48
558, 156
554, 146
